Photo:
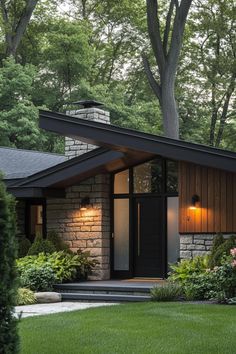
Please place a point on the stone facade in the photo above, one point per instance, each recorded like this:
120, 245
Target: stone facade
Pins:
88, 230
74, 147
196, 245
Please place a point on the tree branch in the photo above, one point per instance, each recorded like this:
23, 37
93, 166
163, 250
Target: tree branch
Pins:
167, 27
23, 22
152, 81
177, 34
154, 33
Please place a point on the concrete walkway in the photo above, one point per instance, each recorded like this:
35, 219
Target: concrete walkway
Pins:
47, 309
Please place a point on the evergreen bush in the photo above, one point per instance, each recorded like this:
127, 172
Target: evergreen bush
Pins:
222, 249
24, 245
217, 241
41, 245
9, 343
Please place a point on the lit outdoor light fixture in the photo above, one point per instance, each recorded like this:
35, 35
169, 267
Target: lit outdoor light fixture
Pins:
85, 202
195, 201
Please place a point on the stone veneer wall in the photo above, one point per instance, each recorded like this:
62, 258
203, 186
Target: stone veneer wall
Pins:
89, 229
196, 245
74, 147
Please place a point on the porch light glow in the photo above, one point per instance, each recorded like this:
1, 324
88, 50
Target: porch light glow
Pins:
195, 202
85, 202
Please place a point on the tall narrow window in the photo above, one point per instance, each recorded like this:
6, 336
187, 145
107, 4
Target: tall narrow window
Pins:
171, 176
148, 177
121, 234
35, 219
121, 182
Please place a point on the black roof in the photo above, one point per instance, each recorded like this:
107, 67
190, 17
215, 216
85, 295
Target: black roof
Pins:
18, 163
132, 141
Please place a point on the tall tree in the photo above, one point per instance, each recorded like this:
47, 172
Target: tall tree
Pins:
16, 15
166, 46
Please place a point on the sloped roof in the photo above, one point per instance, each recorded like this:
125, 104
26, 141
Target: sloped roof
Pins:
128, 140
18, 163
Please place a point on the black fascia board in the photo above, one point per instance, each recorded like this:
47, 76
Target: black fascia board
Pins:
122, 139
68, 172
25, 192
34, 193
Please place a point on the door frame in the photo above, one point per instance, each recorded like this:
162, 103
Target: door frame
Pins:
164, 194
123, 274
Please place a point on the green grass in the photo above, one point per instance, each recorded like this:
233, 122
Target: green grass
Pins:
134, 328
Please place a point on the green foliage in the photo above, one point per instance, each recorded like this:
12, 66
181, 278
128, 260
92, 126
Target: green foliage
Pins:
168, 291
41, 245
66, 267
24, 245
8, 330
57, 241
25, 297
218, 284
18, 115
217, 241
187, 267
223, 249
37, 278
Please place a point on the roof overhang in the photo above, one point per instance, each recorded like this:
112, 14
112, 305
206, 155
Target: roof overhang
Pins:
31, 193
136, 143
73, 171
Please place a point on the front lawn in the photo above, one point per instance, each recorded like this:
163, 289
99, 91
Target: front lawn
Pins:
177, 328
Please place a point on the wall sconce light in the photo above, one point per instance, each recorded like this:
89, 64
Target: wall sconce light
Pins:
85, 202
195, 202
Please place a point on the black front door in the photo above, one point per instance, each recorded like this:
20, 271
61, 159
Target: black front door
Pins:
149, 241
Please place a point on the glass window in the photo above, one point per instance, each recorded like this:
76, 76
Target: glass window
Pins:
36, 220
121, 234
148, 177
171, 176
121, 182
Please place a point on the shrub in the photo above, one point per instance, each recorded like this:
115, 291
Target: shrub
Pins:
169, 291
41, 245
223, 249
217, 241
24, 245
66, 266
37, 278
59, 244
25, 297
187, 267
217, 284
8, 330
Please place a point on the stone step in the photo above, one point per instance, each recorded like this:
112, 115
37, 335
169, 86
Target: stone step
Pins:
102, 289
104, 297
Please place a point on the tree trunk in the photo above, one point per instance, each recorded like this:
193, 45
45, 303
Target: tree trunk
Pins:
169, 110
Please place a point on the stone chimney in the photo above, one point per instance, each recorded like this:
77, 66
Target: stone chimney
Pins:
90, 111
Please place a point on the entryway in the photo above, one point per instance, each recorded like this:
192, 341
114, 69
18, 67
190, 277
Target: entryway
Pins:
148, 237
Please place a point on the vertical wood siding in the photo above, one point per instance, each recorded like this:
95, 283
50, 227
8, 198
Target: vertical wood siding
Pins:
217, 192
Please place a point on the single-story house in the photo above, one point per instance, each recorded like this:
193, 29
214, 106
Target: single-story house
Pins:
136, 201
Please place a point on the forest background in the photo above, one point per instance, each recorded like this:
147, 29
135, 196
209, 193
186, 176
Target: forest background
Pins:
53, 53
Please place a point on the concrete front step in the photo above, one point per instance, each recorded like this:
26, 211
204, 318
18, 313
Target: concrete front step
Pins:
103, 297
87, 288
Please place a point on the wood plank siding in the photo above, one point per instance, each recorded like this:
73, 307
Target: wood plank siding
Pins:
216, 211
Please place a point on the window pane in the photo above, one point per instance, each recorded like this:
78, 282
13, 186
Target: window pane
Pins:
121, 182
148, 177
172, 176
36, 220
121, 234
